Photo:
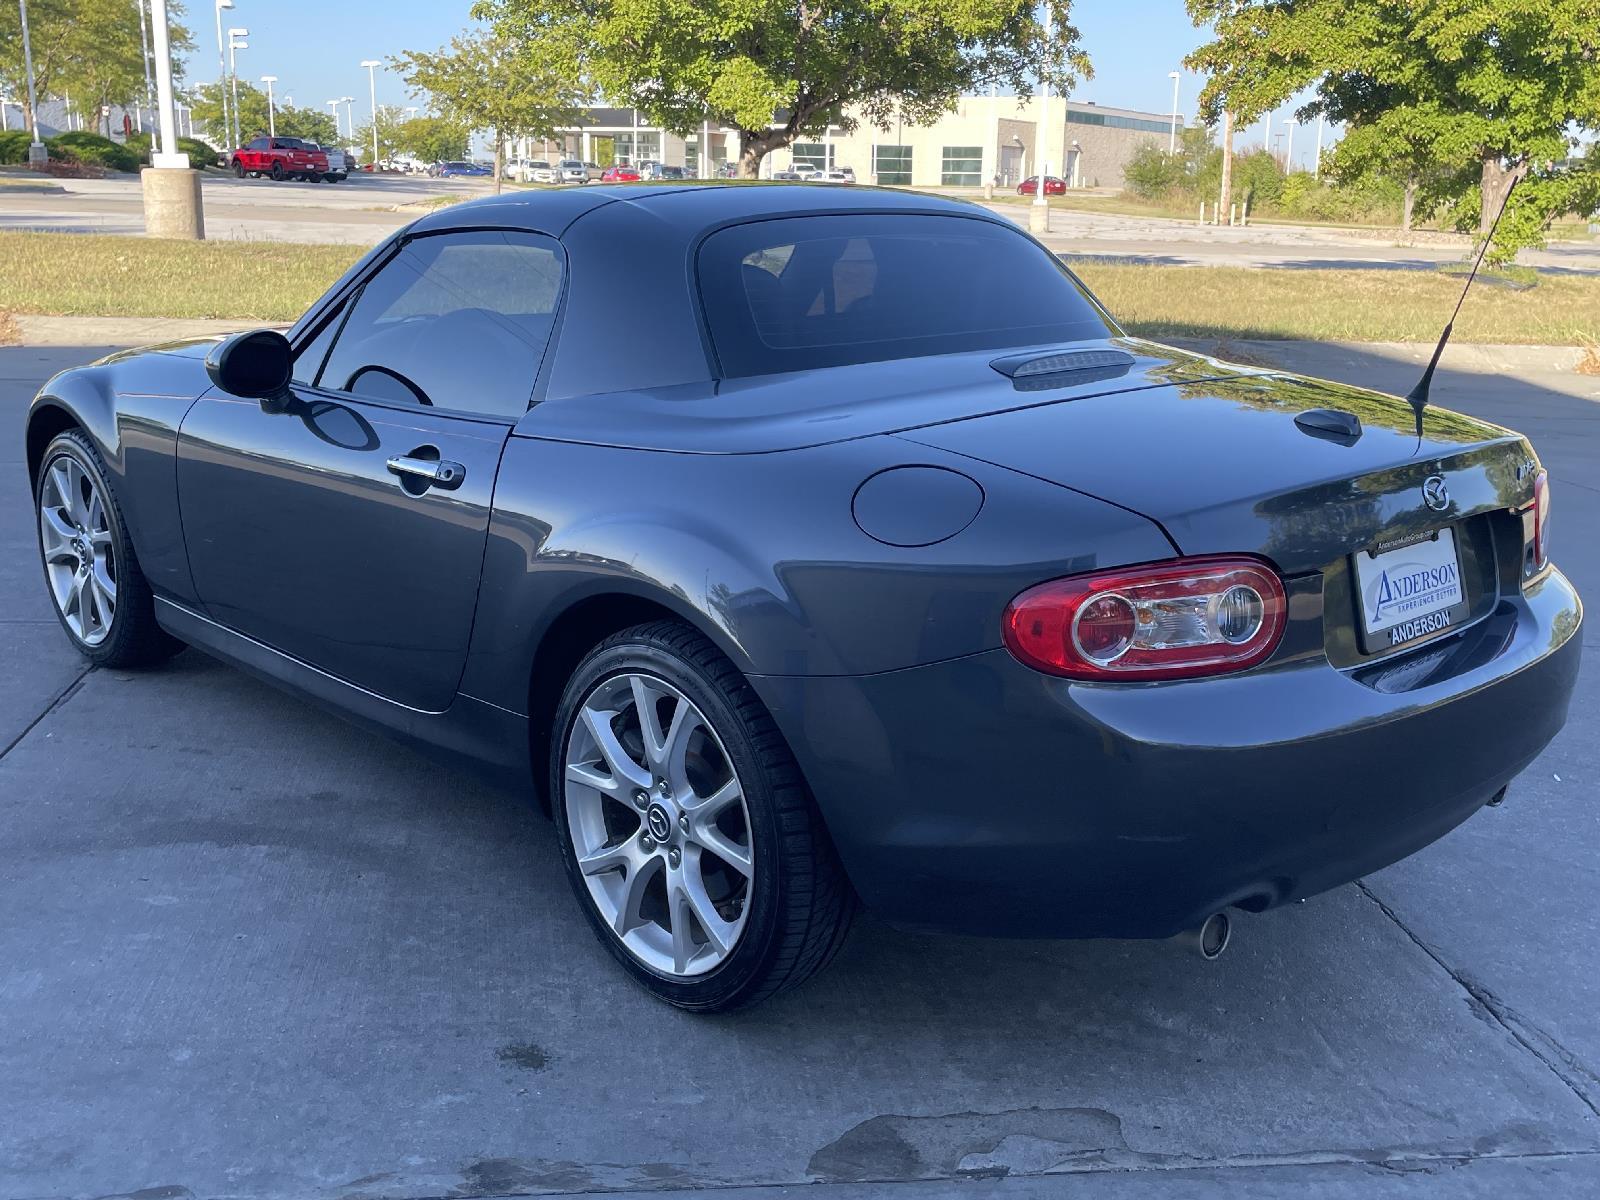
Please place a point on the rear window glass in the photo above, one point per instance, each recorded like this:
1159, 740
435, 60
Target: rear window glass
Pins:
800, 293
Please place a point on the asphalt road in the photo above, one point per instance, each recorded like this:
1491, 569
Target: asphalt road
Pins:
246, 950
359, 211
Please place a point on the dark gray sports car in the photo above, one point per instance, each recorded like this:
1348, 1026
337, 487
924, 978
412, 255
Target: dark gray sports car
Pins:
801, 547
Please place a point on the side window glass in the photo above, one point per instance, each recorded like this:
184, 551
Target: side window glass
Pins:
259, 144
309, 358
456, 320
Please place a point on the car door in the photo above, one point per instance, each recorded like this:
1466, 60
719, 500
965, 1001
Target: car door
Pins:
344, 524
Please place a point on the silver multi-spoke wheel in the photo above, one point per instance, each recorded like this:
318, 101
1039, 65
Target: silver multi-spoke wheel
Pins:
659, 824
79, 549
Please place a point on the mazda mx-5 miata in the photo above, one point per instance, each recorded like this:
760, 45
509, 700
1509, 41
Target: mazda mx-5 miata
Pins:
850, 553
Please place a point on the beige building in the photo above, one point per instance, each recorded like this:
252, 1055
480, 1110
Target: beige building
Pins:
984, 139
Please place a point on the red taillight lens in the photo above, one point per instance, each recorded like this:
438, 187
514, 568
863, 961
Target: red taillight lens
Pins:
1540, 555
1168, 620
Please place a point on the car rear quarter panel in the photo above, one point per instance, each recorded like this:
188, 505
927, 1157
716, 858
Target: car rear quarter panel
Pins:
762, 553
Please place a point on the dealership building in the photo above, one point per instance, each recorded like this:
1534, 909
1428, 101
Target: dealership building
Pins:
984, 139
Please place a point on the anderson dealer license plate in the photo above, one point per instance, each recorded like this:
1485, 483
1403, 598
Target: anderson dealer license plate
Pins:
1410, 592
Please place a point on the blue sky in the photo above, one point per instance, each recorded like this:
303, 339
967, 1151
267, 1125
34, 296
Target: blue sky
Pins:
314, 48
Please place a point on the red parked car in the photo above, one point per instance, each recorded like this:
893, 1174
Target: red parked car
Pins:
1052, 186
281, 158
620, 175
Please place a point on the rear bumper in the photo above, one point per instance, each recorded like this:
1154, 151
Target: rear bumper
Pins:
978, 796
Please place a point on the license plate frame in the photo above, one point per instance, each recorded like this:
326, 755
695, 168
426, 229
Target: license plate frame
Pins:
1410, 620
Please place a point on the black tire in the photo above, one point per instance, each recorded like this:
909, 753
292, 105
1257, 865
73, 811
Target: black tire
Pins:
133, 639
277, 172
800, 903
238, 169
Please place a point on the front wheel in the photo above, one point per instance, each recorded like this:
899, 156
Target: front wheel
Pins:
101, 596
688, 834
238, 169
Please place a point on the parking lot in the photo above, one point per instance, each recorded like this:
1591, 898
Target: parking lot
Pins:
247, 950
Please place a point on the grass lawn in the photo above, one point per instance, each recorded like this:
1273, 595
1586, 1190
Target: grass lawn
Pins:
91, 275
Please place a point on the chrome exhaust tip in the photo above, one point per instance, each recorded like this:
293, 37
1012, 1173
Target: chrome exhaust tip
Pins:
1209, 938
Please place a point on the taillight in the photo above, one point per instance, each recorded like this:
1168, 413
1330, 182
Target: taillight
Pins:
1168, 620
1538, 552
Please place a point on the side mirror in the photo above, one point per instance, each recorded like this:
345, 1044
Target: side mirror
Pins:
255, 364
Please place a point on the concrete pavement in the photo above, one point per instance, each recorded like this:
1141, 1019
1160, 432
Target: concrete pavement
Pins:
250, 951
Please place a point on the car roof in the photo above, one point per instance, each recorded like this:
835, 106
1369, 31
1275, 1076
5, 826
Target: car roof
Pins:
687, 208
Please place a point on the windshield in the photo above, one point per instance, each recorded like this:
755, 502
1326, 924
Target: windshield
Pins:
825, 291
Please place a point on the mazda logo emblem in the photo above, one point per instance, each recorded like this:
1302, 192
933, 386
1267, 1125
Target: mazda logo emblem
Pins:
660, 824
1435, 494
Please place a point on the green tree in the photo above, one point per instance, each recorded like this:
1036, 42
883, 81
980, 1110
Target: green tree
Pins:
86, 48
390, 118
493, 82
307, 123
781, 70
1442, 87
433, 139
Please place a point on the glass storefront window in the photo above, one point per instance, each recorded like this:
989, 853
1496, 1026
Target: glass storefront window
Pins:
962, 166
892, 164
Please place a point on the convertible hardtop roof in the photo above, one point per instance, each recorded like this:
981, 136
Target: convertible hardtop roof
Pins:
689, 207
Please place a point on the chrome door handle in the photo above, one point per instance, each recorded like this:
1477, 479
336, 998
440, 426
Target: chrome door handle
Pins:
430, 472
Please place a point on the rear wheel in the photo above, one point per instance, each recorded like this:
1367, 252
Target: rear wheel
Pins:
100, 594
277, 172
688, 834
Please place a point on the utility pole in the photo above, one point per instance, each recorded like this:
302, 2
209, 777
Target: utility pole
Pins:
1225, 193
144, 56
1316, 169
272, 115
1039, 210
37, 154
372, 65
236, 44
222, 72
1172, 135
171, 187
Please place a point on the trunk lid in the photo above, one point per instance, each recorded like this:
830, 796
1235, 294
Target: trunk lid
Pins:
1223, 465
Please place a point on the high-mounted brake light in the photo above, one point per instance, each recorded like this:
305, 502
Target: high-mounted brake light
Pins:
1168, 620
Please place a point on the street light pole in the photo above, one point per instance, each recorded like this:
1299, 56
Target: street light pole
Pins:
37, 154
272, 114
1039, 212
372, 65
1172, 135
144, 55
222, 69
349, 117
333, 107
1288, 152
1316, 169
234, 46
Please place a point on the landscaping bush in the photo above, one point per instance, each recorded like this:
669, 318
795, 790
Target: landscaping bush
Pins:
200, 154
102, 151
14, 146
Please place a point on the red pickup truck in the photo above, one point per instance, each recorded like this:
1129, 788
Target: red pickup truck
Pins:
281, 158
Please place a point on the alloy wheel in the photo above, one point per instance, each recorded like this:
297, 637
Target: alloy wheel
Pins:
79, 550
659, 825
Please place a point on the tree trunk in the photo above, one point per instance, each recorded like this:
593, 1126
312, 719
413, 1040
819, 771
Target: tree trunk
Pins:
753, 147
499, 149
1408, 206
1225, 198
1496, 182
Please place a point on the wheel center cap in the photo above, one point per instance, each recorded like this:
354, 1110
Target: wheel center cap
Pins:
659, 821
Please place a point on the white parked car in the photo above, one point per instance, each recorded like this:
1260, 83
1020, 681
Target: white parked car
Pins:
838, 175
806, 171
532, 170
571, 170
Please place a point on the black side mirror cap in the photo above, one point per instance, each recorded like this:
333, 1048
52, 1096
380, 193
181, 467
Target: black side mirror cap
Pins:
255, 364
